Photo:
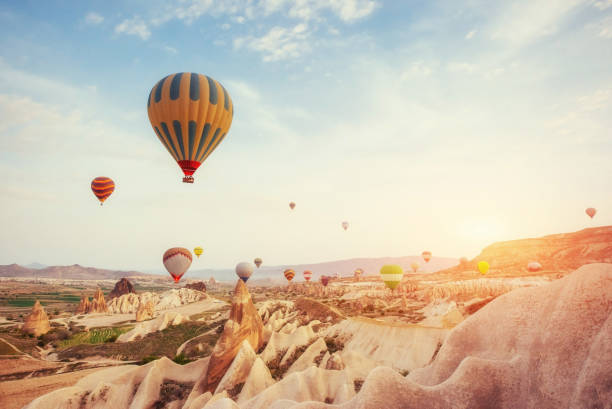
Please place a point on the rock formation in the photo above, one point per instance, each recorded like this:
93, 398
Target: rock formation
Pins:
37, 323
158, 324
122, 286
129, 303
84, 305
98, 304
144, 312
199, 286
244, 323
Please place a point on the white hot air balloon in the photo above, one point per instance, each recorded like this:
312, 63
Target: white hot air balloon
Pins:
244, 270
177, 261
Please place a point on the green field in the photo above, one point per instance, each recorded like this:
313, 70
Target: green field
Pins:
94, 336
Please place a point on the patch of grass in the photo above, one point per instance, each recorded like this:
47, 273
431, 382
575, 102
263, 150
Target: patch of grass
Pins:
94, 336
181, 359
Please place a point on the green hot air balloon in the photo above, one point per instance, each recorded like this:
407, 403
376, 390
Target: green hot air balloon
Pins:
391, 275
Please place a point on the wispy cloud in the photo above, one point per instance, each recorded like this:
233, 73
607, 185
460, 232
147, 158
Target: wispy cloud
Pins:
93, 18
135, 26
278, 43
470, 35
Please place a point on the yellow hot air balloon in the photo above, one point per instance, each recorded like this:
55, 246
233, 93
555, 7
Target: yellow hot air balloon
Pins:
483, 267
414, 266
190, 114
198, 251
391, 275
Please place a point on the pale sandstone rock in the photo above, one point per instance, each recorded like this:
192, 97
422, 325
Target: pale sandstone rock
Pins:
37, 323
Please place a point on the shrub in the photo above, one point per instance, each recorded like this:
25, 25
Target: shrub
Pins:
181, 359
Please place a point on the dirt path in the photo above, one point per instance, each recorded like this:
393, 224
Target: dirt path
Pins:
18, 393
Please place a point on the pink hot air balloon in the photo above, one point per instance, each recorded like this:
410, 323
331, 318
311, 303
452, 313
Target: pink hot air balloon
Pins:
591, 212
307, 275
324, 280
177, 261
345, 225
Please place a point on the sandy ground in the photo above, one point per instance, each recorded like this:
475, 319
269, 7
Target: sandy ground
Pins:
18, 393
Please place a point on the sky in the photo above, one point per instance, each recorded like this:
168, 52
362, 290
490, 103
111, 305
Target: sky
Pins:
439, 125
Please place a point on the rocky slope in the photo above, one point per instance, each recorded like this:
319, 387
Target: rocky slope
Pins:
559, 253
73, 272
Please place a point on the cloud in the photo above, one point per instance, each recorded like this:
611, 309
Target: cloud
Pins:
462, 67
93, 18
170, 50
135, 26
278, 43
603, 4
470, 35
604, 28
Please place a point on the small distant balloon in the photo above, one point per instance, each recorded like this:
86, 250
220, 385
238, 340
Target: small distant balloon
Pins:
534, 266
102, 187
177, 261
426, 256
414, 266
358, 273
324, 280
244, 270
289, 274
292, 205
391, 275
345, 225
483, 267
307, 275
257, 262
591, 212
198, 251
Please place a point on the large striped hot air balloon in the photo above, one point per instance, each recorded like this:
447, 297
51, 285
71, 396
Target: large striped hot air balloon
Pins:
591, 212
191, 114
177, 261
391, 275
289, 274
483, 267
426, 256
102, 187
257, 262
244, 270
307, 275
198, 251
324, 280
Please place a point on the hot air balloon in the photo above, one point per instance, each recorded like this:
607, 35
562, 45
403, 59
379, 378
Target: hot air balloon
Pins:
190, 114
426, 256
591, 212
391, 275
292, 205
257, 262
534, 266
244, 270
345, 225
483, 267
414, 266
102, 187
198, 251
358, 273
324, 280
177, 261
307, 275
289, 274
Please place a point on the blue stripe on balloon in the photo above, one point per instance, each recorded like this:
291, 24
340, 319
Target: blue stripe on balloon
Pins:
225, 98
175, 86
194, 87
161, 138
149, 99
179, 136
212, 91
158, 90
212, 141
191, 127
169, 139
205, 132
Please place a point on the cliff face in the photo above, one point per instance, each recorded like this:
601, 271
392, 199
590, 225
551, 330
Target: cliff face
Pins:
560, 253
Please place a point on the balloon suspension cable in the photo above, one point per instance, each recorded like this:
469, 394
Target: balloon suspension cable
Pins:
188, 179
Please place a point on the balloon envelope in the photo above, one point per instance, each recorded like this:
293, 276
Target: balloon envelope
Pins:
190, 114
307, 275
426, 256
591, 212
483, 267
257, 262
177, 261
102, 187
198, 251
324, 280
289, 274
391, 275
292, 205
244, 270
345, 225
358, 273
414, 266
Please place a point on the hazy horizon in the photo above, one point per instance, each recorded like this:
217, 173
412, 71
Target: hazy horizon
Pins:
443, 126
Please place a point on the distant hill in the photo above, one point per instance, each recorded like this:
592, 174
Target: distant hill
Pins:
73, 272
370, 266
35, 266
560, 253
